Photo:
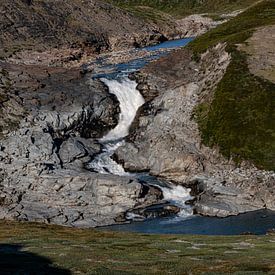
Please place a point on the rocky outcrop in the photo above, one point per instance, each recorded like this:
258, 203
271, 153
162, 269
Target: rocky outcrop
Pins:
166, 142
71, 198
151, 212
196, 25
59, 116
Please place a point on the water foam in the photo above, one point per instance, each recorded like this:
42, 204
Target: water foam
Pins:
103, 162
129, 101
178, 195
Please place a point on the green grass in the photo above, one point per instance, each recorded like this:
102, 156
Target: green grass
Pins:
184, 7
240, 119
38, 247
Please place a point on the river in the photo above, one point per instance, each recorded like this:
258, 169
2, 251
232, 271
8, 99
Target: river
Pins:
115, 77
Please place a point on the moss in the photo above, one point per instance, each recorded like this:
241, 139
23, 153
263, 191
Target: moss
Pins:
240, 119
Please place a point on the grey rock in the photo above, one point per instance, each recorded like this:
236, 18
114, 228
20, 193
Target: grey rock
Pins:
42, 175
165, 139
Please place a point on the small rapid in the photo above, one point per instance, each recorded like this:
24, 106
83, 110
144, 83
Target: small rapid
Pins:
179, 195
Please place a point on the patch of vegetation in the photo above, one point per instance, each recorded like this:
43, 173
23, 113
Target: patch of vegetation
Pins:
96, 252
240, 119
184, 7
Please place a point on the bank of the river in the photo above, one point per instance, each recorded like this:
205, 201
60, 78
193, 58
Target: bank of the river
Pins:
43, 249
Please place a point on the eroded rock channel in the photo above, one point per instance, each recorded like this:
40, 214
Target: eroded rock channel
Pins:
88, 150
51, 137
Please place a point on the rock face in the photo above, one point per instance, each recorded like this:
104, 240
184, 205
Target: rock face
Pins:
70, 198
165, 139
59, 114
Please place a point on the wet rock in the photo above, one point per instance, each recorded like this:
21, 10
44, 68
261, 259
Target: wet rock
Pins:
154, 211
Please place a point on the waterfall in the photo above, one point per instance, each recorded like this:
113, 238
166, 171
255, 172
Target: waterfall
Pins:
130, 100
178, 195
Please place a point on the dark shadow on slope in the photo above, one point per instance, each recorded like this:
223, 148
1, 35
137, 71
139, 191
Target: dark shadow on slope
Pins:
13, 260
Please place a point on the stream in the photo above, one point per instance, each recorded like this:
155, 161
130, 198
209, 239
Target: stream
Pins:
115, 77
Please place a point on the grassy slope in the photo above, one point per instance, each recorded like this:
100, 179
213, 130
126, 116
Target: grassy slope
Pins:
241, 117
183, 7
95, 252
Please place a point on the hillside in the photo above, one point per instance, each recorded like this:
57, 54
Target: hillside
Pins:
145, 8
240, 118
92, 25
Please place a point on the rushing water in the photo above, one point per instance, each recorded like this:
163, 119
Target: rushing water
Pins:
129, 101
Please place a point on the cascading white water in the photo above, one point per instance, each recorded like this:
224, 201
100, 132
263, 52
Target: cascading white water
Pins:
130, 100
178, 195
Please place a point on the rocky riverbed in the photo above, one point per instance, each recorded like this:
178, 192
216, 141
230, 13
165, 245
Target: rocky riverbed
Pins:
52, 116
53, 113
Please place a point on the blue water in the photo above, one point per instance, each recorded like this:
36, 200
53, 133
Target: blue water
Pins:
256, 222
115, 71
172, 44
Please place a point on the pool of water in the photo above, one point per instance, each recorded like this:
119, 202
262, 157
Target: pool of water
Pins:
256, 222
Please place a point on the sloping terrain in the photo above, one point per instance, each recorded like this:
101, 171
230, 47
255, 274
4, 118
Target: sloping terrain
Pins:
181, 8
240, 119
260, 50
40, 25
